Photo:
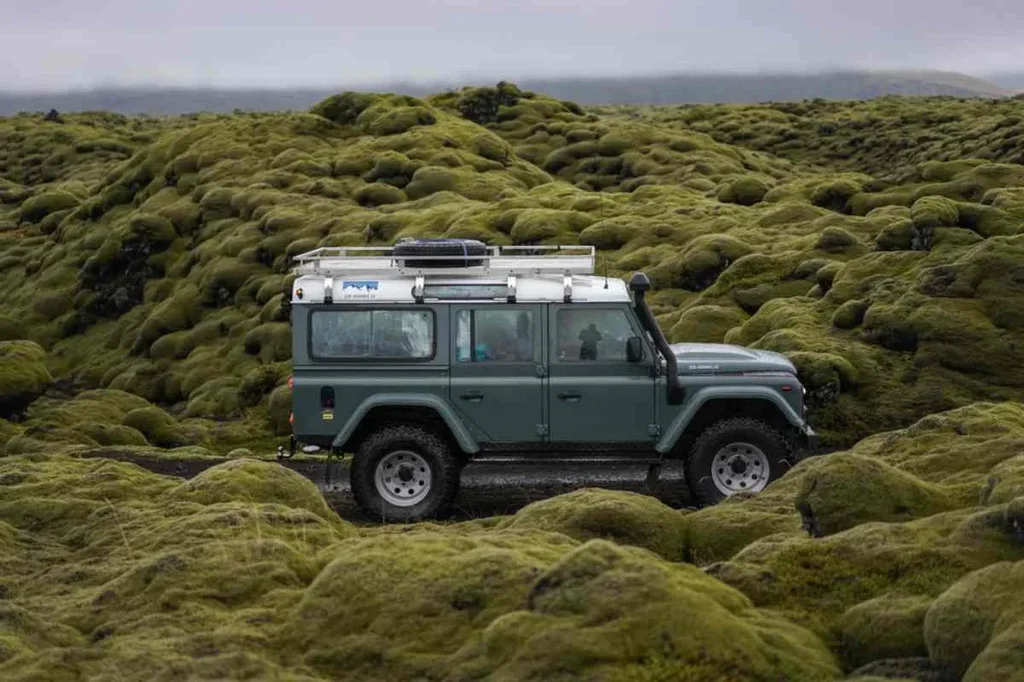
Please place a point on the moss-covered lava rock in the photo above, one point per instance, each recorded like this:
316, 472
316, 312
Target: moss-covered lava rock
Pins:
23, 376
624, 517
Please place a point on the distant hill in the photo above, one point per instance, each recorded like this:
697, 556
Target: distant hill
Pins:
655, 89
751, 88
1011, 81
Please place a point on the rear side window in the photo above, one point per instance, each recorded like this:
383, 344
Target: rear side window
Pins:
372, 334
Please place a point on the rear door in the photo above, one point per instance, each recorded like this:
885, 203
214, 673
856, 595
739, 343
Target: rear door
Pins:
497, 370
595, 394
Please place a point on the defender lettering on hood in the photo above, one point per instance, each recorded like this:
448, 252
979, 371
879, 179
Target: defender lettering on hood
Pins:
721, 358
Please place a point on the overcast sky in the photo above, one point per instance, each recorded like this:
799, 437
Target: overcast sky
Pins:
58, 44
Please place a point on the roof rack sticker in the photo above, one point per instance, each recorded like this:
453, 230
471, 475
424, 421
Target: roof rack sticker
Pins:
362, 288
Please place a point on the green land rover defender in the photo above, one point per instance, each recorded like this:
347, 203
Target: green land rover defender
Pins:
424, 356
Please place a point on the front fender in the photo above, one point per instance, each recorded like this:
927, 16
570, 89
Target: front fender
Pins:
436, 403
704, 395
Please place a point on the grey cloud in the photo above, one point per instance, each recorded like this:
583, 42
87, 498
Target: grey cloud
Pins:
46, 44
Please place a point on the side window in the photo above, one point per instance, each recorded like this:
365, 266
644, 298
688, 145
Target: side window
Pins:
500, 335
588, 335
372, 334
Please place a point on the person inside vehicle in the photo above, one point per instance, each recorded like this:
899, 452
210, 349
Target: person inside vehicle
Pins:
589, 338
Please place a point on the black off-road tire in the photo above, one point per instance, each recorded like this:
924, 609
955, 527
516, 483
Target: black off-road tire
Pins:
433, 450
776, 449
460, 250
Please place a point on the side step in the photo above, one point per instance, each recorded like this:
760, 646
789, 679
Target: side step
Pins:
565, 458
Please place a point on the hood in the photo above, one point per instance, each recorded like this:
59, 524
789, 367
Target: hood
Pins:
721, 358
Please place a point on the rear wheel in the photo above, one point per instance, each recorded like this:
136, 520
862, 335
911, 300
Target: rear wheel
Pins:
404, 472
734, 456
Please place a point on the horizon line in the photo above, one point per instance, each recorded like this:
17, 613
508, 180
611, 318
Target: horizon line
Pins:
429, 82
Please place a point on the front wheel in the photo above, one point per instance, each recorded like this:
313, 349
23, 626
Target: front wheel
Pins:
736, 456
404, 473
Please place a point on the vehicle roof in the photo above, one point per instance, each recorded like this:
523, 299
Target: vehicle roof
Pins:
522, 273
585, 288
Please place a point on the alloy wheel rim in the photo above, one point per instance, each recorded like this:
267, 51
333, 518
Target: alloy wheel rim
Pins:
402, 478
740, 468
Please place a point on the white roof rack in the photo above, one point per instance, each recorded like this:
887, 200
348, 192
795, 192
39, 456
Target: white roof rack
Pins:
503, 273
499, 261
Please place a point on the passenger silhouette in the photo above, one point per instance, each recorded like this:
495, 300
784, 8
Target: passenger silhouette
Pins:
590, 337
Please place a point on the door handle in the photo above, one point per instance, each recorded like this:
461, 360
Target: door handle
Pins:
569, 397
472, 396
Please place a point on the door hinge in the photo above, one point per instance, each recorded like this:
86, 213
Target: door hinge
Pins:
654, 429
542, 429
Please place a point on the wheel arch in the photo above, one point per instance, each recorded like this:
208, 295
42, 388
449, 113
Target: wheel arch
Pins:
427, 410
713, 405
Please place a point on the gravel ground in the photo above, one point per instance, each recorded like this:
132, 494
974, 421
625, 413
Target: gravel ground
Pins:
485, 490
496, 489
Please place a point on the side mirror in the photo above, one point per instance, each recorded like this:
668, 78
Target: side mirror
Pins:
634, 349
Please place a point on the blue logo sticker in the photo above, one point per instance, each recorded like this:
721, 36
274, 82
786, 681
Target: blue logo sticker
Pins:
368, 285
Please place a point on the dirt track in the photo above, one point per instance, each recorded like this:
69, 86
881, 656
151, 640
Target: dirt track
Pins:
495, 489
486, 489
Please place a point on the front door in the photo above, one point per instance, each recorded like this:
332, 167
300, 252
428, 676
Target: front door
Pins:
595, 394
497, 370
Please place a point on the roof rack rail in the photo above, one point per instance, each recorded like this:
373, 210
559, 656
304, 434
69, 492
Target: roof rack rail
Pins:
499, 261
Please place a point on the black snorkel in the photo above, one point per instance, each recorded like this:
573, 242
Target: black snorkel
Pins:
640, 284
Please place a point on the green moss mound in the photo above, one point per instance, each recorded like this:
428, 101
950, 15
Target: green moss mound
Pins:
616, 612
450, 588
135, 567
887, 627
623, 517
157, 426
745, 191
250, 480
35, 209
977, 626
846, 490
706, 324
23, 376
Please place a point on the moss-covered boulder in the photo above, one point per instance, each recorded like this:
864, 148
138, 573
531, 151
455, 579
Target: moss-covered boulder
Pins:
36, 208
378, 194
976, 627
845, 490
156, 425
279, 409
624, 517
409, 602
820, 578
931, 211
886, 627
23, 376
1005, 481
619, 613
745, 191
706, 324
252, 480
717, 533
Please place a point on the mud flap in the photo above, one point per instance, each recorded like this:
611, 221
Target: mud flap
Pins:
651, 482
